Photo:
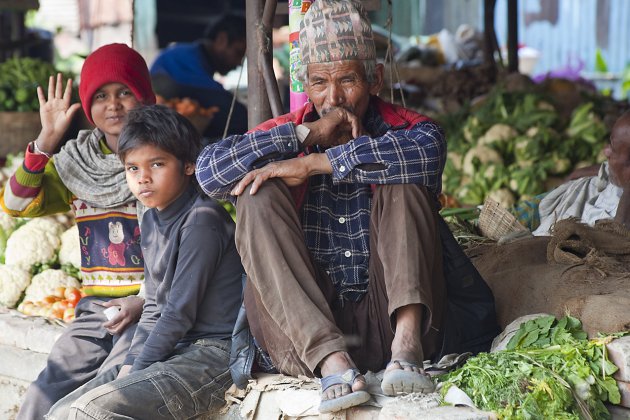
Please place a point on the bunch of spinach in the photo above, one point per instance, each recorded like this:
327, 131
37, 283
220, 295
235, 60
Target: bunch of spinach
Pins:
549, 370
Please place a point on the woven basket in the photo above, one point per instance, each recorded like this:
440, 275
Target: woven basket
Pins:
17, 129
495, 222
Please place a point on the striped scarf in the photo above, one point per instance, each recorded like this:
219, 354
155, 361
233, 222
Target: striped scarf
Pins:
91, 175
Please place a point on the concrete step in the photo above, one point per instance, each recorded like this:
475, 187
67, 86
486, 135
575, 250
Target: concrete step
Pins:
24, 346
26, 341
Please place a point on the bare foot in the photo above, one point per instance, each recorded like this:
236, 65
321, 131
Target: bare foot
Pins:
406, 345
338, 363
404, 374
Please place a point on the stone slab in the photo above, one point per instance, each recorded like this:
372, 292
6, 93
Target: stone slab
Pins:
618, 413
624, 390
436, 413
29, 333
21, 364
619, 354
11, 393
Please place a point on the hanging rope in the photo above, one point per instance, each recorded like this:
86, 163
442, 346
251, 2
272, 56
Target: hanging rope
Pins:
238, 85
389, 55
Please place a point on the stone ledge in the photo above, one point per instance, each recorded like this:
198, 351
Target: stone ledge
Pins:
29, 333
21, 364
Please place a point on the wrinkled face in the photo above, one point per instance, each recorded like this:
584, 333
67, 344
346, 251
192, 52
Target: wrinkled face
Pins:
156, 177
110, 105
341, 84
618, 152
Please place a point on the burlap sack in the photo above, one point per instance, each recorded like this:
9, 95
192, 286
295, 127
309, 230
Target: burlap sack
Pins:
587, 275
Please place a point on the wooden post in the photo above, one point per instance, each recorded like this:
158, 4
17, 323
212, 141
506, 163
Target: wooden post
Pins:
512, 35
258, 109
489, 36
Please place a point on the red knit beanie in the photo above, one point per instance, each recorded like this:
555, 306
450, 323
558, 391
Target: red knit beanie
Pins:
114, 63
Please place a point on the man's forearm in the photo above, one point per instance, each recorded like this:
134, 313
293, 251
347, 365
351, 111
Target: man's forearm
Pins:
319, 164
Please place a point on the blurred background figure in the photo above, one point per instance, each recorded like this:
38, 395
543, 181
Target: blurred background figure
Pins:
186, 70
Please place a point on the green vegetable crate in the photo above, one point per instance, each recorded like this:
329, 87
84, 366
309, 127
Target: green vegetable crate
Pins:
17, 129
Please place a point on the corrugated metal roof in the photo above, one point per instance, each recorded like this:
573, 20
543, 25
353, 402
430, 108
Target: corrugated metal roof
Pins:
574, 36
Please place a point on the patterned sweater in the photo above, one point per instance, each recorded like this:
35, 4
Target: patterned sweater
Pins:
111, 257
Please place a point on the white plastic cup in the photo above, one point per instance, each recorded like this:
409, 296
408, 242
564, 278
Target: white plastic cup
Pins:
111, 312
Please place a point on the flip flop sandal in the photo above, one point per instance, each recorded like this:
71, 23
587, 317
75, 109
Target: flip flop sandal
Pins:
345, 401
396, 382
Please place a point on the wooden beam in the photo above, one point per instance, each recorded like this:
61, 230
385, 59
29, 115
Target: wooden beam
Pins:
19, 4
258, 109
512, 35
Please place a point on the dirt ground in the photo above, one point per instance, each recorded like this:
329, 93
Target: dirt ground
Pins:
524, 282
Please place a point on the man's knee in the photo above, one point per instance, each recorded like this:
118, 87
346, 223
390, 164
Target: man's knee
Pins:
264, 201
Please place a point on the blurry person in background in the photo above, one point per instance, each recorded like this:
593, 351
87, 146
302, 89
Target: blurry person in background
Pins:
186, 70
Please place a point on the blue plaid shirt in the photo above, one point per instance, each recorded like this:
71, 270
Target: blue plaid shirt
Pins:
336, 210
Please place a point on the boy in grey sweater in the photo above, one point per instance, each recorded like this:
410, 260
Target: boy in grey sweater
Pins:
177, 366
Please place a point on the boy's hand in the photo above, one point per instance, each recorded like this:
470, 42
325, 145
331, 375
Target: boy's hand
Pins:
55, 112
130, 311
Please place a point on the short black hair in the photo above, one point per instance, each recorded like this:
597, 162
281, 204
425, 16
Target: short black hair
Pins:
163, 127
232, 24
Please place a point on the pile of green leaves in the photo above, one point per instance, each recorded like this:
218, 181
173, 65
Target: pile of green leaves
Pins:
549, 370
19, 78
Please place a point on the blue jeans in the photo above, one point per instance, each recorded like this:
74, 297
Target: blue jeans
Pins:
191, 382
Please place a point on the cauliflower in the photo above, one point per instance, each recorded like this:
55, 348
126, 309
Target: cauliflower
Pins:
498, 133
7, 223
480, 155
44, 284
504, 197
70, 251
456, 159
13, 281
36, 242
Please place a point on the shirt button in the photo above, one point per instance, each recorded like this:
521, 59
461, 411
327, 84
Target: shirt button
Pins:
342, 168
342, 220
348, 254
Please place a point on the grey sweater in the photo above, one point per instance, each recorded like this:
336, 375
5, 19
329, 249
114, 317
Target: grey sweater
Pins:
192, 278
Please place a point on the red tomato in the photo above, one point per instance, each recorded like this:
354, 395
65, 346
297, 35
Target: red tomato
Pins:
73, 296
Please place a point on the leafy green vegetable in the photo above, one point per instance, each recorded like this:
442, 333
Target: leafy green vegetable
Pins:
227, 205
600, 62
549, 370
71, 270
19, 78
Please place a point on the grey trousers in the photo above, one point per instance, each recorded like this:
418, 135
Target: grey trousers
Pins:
291, 304
82, 350
191, 382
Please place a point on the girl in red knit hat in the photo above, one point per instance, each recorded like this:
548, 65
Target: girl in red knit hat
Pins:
87, 177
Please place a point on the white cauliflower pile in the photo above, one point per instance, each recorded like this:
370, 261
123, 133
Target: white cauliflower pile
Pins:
44, 284
13, 281
70, 251
36, 242
7, 223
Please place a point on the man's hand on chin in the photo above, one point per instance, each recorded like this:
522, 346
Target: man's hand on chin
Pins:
335, 127
292, 171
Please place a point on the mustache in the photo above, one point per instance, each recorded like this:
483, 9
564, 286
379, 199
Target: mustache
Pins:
348, 108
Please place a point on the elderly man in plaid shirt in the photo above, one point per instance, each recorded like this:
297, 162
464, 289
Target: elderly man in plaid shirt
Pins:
337, 221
